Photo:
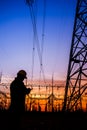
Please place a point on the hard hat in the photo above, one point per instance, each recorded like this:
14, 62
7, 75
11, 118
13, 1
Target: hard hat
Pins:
22, 73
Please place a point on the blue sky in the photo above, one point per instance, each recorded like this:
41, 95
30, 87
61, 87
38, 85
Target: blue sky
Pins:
16, 37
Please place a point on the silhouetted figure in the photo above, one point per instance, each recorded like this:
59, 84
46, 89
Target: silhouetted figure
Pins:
18, 92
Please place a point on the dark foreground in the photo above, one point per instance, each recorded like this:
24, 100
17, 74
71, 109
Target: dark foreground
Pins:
43, 121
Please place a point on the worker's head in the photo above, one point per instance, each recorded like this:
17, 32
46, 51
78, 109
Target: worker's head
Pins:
22, 74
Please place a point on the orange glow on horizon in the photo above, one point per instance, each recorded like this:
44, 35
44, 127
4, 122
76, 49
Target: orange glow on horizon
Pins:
41, 97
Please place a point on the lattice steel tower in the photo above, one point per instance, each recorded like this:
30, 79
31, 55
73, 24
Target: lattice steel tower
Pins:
76, 83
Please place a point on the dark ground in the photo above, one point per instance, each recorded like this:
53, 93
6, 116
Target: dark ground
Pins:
43, 121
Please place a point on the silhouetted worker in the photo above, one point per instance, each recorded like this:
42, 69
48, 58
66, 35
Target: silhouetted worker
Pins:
18, 92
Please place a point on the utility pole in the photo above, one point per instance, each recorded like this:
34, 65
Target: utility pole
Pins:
76, 82
52, 95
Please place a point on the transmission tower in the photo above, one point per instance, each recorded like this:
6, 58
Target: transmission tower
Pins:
76, 82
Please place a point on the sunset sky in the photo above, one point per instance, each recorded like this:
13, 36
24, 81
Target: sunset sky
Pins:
17, 37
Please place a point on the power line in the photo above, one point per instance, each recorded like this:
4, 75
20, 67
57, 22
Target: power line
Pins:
33, 18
